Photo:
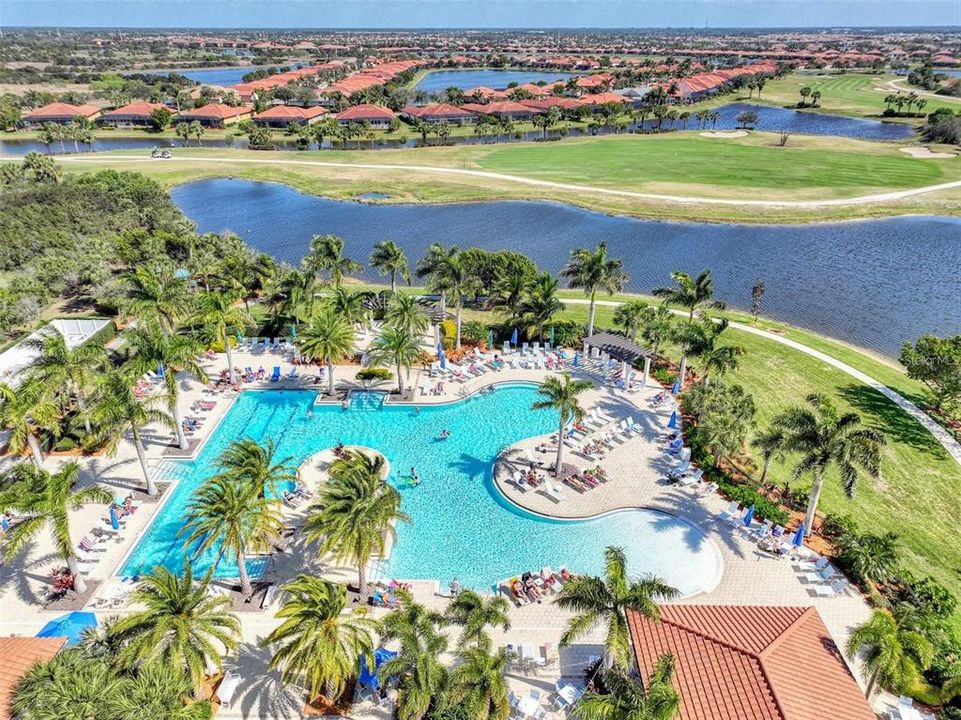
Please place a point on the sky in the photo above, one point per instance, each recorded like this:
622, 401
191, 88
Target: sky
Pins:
376, 14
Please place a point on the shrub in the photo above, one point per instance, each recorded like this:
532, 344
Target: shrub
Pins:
567, 333
474, 331
448, 332
663, 375
65, 444
837, 525
763, 507
369, 376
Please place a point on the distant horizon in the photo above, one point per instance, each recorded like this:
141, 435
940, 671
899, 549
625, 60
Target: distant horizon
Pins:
492, 29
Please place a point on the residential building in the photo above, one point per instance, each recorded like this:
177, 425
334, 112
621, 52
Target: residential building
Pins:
60, 113
280, 116
374, 115
216, 114
135, 114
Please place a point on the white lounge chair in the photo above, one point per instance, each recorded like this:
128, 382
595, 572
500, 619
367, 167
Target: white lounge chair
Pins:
710, 489
834, 589
525, 348
228, 686
553, 491
518, 478
816, 566
821, 576
269, 597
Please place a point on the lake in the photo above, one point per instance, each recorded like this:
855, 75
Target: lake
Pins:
440, 80
873, 283
218, 76
13, 147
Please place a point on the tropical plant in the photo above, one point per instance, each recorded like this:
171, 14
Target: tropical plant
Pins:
702, 341
155, 691
317, 643
154, 294
826, 438
26, 411
478, 683
770, 443
725, 415
506, 294
354, 514
45, 501
606, 600
690, 293
453, 278
869, 557
592, 270
349, 304
327, 255
182, 626
658, 327
330, 339
221, 319
59, 368
474, 614
561, 394
248, 462
389, 259
117, 409
69, 686
168, 354
407, 312
292, 296
626, 699
894, 655
539, 304
632, 316
233, 516
432, 265
398, 347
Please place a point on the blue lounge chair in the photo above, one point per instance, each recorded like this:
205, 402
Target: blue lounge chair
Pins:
275, 375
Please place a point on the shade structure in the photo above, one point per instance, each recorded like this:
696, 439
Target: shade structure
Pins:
676, 387
514, 337
114, 522
368, 678
70, 626
749, 516
672, 423
798, 539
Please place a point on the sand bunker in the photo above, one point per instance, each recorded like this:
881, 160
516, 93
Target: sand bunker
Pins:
725, 134
926, 153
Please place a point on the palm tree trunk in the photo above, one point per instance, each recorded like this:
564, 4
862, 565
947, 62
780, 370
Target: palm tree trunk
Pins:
813, 503
230, 358
330, 378
142, 456
181, 437
362, 581
590, 316
400, 380
79, 585
330, 689
245, 587
560, 447
82, 407
393, 281
872, 681
682, 369
460, 304
35, 449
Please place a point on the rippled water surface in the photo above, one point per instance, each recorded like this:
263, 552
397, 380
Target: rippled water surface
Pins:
874, 283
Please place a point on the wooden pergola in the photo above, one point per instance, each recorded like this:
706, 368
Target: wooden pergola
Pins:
621, 348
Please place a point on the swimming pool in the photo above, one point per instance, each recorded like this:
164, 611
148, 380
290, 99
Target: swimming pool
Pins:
461, 524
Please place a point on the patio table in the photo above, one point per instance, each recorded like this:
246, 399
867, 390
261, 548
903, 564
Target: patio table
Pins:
528, 706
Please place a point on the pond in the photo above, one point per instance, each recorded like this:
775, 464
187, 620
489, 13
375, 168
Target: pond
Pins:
440, 80
13, 147
222, 76
873, 283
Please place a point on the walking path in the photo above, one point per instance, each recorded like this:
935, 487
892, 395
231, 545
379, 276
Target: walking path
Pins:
940, 434
684, 199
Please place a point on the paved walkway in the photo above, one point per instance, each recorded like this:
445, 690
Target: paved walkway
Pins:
947, 441
894, 195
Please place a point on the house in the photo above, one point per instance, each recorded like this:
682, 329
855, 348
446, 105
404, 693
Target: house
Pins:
598, 100
60, 113
375, 115
439, 112
482, 93
503, 109
135, 114
567, 105
216, 114
75, 331
280, 116
17, 656
749, 663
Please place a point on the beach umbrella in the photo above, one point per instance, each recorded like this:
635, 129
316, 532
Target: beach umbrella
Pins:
576, 360
676, 387
293, 331
749, 516
798, 539
369, 678
441, 356
240, 338
160, 371
672, 423
514, 337
70, 626
114, 522
490, 339
552, 335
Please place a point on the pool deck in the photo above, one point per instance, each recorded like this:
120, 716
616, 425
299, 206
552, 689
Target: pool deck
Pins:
634, 469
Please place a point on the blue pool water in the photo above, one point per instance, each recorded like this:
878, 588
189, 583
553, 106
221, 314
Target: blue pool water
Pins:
440, 80
461, 526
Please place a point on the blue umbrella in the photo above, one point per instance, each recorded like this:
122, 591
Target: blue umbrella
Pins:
160, 371
749, 516
552, 335
576, 359
676, 387
798, 539
672, 423
70, 626
370, 678
293, 331
514, 337
490, 338
114, 523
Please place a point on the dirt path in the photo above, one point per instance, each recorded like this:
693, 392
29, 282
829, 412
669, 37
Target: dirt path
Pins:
521, 180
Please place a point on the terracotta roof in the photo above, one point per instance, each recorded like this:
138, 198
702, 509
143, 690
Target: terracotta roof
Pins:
750, 663
506, 106
287, 112
215, 110
563, 103
437, 110
603, 98
17, 655
366, 112
136, 108
58, 109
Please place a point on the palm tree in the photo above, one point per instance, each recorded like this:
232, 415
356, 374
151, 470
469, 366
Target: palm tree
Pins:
46, 500
475, 614
169, 354
59, 368
398, 347
824, 438
330, 339
421, 677
539, 304
407, 312
725, 414
605, 600
70, 686
318, 643
592, 270
431, 265
327, 255
234, 516
155, 294
771, 445
354, 515
293, 296
894, 655
117, 409
389, 259
507, 292
702, 338
221, 318
156, 691
632, 316
868, 557
478, 684
690, 293
658, 327
625, 699
26, 412
561, 395
454, 278
348, 304
248, 462
182, 626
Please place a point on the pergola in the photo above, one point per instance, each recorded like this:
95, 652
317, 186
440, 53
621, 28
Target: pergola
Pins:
614, 346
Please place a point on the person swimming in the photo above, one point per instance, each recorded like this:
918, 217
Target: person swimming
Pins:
444, 435
414, 477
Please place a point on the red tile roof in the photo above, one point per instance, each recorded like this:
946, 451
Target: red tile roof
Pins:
287, 112
437, 110
750, 663
501, 108
563, 103
215, 110
57, 109
136, 108
603, 98
360, 113
17, 655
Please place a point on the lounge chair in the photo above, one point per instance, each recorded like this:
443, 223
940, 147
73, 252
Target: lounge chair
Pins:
554, 492
269, 597
816, 566
821, 576
525, 348
732, 510
710, 489
292, 375
834, 589
275, 375
228, 687
518, 480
